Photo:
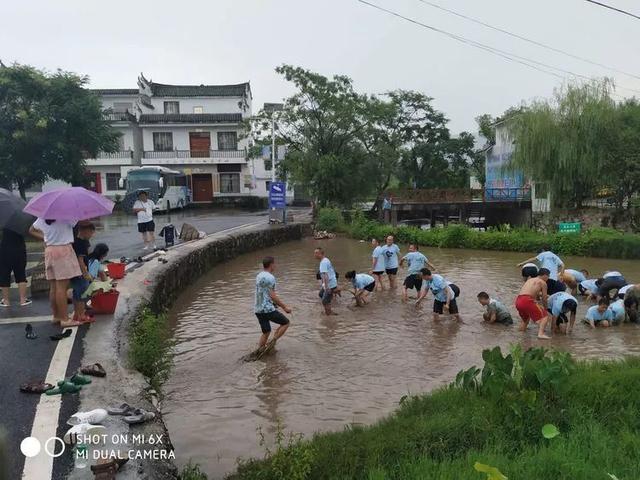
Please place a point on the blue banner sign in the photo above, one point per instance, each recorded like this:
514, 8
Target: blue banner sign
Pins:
277, 195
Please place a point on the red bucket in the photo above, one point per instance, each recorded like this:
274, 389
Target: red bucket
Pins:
116, 270
105, 302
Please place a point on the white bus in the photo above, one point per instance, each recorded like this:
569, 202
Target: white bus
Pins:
167, 188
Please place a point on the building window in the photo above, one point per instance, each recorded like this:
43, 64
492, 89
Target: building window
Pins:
122, 107
163, 141
267, 185
229, 183
227, 141
171, 107
112, 181
267, 165
198, 110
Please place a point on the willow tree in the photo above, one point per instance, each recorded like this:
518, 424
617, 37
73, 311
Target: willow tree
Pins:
562, 140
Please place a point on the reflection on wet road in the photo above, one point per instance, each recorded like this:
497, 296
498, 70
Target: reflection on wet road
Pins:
348, 369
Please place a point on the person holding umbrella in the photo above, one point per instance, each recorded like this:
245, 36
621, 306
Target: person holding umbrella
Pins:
58, 211
13, 252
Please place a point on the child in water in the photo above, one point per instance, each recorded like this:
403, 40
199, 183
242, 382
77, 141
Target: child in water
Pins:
363, 285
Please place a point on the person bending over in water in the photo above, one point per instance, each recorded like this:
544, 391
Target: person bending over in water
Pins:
416, 261
529, 270
527, 306
599, 315
572, 278
377, 262
495, 312
363, 284
328, 279
444, 292
548, 260
559, 304
266, 301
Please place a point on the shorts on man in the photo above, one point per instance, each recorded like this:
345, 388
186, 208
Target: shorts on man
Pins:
265, 320
413, 281
528, 309
146, 227
438, 306
392, 271
327, 295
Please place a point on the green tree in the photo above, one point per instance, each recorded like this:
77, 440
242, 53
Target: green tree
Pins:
49, 123
562, 141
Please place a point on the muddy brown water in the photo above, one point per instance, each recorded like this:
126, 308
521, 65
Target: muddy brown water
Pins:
349, 369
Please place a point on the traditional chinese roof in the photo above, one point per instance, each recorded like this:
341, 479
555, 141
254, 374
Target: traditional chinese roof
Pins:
163, 90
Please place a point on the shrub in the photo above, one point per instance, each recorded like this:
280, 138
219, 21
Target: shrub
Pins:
192, 472
329, 219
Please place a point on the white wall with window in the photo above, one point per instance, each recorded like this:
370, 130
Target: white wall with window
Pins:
208, 104
119, 103
177, 137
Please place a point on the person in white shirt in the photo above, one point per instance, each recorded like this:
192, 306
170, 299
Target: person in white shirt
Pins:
143, 208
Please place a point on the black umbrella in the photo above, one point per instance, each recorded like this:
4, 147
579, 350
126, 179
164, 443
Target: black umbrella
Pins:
11, 215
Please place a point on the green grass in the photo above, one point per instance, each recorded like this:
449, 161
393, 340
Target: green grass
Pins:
598, 242
150, 347
192, 472
496, 421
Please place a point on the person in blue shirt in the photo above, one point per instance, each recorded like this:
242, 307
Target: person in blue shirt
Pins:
363, 285
548, 260
588, 288
618, 311
415, 261
267, 302
328, 280
391, 253
377, 262
558, 305
572, 278
444, 293
612, 280
599, 315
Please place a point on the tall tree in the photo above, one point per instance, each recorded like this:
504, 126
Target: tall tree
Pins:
560, 141
49, 123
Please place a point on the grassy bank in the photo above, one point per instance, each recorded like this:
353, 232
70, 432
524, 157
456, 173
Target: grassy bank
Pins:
489, 417
599, 242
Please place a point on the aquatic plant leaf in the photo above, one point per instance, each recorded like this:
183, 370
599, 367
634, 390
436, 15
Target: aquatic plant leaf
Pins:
492, 472
550, 431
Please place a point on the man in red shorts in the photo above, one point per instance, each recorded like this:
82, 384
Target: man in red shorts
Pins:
527, 305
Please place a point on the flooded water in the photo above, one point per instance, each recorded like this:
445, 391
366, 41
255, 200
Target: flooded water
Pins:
349, 369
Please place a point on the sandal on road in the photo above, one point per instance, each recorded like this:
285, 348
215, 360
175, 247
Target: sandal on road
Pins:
80, 380
59, 336
94, 370
35, 387
124, 409
64, 387
96, 416
139, 416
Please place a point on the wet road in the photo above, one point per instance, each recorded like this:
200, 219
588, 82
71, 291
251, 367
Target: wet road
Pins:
349, 369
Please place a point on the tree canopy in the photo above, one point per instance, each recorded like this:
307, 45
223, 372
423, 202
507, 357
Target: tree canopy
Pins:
49, 123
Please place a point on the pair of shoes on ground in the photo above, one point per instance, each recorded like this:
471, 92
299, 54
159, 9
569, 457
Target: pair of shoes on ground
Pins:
73, 385
22, 304
108, 469
132, 415
85, 423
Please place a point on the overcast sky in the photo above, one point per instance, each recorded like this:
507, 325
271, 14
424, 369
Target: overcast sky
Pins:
231, 41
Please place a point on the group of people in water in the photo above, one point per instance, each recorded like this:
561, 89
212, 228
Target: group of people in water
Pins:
547, 297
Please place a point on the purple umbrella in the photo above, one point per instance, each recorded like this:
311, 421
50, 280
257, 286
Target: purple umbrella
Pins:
69, 203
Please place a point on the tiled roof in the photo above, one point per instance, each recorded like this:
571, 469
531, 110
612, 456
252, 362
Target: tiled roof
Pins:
162, 90
191, 118
115, 91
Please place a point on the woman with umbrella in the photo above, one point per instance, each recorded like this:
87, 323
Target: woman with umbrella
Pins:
13, 252
58, 211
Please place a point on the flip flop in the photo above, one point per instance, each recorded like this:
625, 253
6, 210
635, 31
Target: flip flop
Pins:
35, 387
93, 417
123, 409
139, 416
95, 370
64, 387
29, 333
59, 336
80, 380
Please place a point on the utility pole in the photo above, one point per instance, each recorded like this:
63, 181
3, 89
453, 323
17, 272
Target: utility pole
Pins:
272, 108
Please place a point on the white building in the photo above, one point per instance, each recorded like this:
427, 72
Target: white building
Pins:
197, 129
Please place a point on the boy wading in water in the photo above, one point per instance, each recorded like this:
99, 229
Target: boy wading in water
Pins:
266, 302
328, 279
527, 306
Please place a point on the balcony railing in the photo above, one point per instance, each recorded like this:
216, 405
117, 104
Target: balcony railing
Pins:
120, 154
117, 116
195, 154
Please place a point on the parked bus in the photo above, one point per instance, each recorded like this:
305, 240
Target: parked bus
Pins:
167, 188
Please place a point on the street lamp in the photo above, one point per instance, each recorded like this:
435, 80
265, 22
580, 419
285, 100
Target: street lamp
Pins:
272, 108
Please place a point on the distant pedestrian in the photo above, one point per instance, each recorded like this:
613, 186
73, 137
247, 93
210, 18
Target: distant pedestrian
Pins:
13, 258
391, 254
387, 203
377, 262
61, 264
143, 208
267, 303
548, 260
363, 284
495, 311
328, 279
415, 261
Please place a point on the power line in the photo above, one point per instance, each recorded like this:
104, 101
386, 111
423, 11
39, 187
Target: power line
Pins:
501, 53
610, 7
525, 39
